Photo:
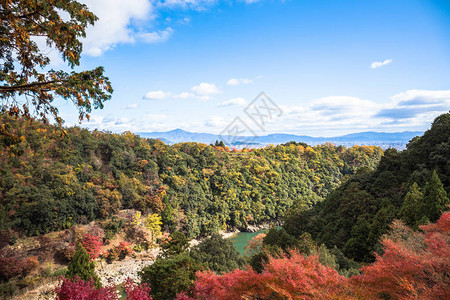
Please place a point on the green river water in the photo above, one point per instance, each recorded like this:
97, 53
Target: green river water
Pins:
241, 239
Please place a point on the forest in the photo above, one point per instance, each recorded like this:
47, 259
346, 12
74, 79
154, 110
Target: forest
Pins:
53, 178
97, 215
347, 215
412, 185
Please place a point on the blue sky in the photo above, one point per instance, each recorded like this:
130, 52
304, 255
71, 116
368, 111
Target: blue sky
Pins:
332, 67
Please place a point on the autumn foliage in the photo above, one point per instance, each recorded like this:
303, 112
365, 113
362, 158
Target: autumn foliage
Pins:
287, 277
11, 266
92, 244
75, 289
136, 292
118, 252
415, 265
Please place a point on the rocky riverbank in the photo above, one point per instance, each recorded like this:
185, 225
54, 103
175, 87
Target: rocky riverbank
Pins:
118, 271
258, 227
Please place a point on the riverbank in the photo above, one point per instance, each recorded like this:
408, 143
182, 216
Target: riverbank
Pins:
116, 272
262, 226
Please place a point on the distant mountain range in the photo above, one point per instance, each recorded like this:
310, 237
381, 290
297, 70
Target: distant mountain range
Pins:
383, 139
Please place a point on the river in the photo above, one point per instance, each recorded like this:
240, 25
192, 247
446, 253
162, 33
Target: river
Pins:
241, 239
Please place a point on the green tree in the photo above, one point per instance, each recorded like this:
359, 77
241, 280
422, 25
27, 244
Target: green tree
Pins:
25, 89
217, 254
168, 277
280, 238
82, 267
177, 244
435, 198
410, 210
358, 246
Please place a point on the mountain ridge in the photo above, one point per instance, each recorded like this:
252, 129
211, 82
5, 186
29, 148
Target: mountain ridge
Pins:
383, 139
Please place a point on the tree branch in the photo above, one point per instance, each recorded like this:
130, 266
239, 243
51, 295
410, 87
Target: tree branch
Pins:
26, 86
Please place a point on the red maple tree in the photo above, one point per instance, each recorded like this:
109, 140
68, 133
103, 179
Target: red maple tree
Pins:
136, 292
414, 265
288, 277
77, 289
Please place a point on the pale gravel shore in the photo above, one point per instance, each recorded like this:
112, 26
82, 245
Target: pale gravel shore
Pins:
116, 272
228, 234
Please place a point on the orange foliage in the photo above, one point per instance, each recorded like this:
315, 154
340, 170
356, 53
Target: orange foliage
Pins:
414, 265
294, 277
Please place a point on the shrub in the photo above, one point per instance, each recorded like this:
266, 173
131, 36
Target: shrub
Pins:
7, 289
77, 289
92, 244
118, 252
124, 250
68, 252
217, 254
13, 266
136, 292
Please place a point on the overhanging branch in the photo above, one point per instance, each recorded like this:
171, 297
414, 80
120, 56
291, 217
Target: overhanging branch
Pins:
13, 88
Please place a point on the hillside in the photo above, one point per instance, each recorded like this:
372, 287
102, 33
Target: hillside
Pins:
412, 185
52, 179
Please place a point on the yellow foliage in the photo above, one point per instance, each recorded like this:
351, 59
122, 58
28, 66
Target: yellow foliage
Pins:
153, 224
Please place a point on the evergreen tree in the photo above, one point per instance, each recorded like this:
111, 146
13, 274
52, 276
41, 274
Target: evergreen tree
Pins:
168, 277
410, 210
358, 246
177, 244
82, 267
218, 254
435, 198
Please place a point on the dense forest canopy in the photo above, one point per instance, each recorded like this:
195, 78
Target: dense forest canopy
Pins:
50, 181
412, 185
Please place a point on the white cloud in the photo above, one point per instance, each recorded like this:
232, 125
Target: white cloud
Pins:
239, 81
327, 116
377, 64
422, 96
156, 117
131, 106
235, 101
215, 121
205, 90
414, 104
193, 4
157, 36
157, 95
252, 1
335, 115
113, 25
184, 95
125, 21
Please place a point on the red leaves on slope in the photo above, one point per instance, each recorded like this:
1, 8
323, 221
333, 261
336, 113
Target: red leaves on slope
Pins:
415, 265
294, 277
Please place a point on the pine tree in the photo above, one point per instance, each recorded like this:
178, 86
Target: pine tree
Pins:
410, 210
435, 198
177, 244
82, 267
